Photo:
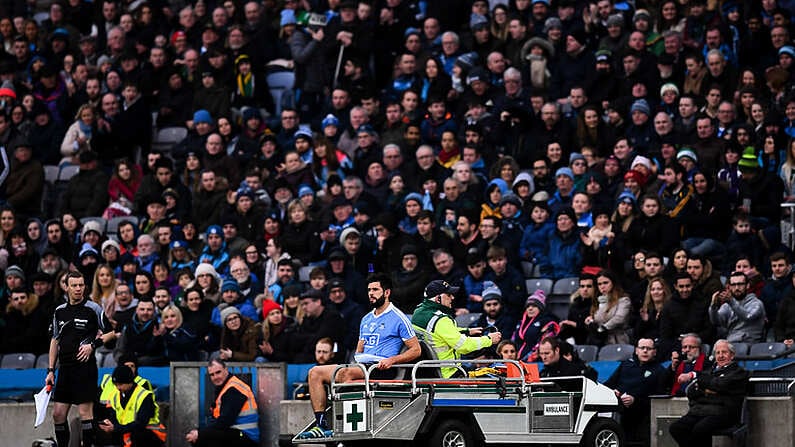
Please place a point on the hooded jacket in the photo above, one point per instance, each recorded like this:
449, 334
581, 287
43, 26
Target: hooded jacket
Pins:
435, 324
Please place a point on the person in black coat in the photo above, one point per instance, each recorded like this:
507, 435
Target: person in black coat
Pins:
181, 344
579, 308
682, 314
557, 365
134, 125
409, 280
25, 324
196, 318
715, 399
300, 235
652, 229
784, 325
87, 192
319, 321
633, 382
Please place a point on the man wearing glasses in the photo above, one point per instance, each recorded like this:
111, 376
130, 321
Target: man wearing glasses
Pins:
737, 313
633, 382
688, 363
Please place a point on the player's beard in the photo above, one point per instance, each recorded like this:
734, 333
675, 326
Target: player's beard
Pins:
378, 303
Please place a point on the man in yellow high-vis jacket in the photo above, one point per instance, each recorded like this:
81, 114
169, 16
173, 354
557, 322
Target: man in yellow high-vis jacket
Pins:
434, 322
135, 413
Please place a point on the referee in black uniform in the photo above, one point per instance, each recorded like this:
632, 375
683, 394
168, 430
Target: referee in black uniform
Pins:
76, 328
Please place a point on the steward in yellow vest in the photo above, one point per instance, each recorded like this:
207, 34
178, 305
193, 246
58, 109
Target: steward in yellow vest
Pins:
135, 413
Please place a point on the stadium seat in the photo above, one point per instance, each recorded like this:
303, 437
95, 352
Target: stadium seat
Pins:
466, 319
108, 361
42, 361
427, 353
534, 284
558, 308
112, 228
167, 137
40, 17
103, 224
741, 349
566, 286
279, 83
67, 172
51, 173
616, 352
303, 273
527, 269
18, 360
587, 353
767, 349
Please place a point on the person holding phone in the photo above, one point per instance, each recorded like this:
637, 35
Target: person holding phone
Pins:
685, 365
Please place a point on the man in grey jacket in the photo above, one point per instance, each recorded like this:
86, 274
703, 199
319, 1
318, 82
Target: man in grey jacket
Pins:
736, 312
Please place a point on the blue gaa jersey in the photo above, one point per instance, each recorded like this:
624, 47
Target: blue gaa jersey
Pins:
383, 335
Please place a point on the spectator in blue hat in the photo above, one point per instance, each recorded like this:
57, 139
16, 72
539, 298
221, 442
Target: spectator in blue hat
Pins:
330, 126
303, 144
436, 123
639, 133
202, 124
367, 149
561, 256
231, 297
179, 256
564, 180
215, 252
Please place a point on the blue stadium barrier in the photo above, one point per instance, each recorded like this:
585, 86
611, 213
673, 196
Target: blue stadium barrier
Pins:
296, 373
604, 369
22, 384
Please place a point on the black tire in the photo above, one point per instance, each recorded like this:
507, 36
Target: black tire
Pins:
603, 432
452, 433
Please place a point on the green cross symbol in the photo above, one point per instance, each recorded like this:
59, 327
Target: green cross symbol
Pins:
354, 417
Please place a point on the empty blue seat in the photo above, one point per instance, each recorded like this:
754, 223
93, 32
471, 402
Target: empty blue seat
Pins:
617, 352
767, 349
534, 284
587, 353
18, 360
467, 319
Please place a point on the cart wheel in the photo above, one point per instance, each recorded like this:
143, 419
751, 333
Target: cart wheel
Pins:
603, 432
452, 433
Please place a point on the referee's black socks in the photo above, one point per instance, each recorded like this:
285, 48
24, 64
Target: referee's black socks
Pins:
87, 426
62, 434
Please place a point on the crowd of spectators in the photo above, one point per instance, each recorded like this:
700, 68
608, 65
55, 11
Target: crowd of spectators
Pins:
641, 146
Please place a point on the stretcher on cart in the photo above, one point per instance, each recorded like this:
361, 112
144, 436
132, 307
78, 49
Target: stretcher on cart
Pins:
462, 412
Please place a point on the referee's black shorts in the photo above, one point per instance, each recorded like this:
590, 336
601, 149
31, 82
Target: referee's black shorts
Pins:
76, 384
